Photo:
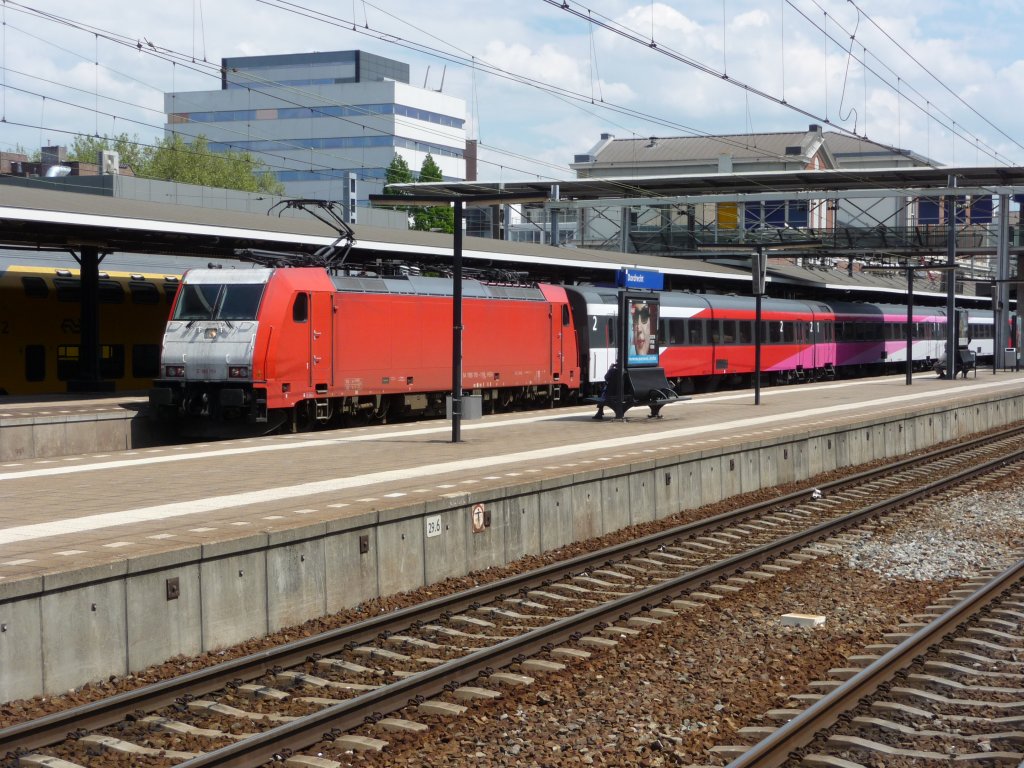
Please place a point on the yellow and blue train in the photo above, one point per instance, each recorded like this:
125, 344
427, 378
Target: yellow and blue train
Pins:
40, 322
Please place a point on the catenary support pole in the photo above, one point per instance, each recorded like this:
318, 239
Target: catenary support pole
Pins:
457, 325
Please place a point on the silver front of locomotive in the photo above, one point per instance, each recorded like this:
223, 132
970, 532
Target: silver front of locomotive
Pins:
206, 363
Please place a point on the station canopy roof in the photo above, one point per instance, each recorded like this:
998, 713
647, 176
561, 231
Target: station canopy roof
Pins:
997, 179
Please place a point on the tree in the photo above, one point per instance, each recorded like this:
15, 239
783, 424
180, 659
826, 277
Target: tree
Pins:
172, 159
435, 218
194, 163
397, 173
130, 151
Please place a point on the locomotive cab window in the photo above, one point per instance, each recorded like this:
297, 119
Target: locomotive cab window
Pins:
300, 308
208, 301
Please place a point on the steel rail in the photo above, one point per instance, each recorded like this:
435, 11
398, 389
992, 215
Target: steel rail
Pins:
55, 727
776, 749
352, 713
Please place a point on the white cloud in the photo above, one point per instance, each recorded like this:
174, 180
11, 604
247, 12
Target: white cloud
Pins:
765, 44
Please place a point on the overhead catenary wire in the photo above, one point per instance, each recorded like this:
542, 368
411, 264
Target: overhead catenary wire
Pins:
994, 154
170, 55
591, 16
579, 100
173, 57
935, 77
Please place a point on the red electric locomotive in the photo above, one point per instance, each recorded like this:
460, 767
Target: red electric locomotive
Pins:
265, 345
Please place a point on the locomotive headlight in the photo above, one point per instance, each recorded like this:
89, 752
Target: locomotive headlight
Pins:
174, 371
238, 371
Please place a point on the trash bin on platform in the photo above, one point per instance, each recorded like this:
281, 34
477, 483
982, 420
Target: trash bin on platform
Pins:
472, 407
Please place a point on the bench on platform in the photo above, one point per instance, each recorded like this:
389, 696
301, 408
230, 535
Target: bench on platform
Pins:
967, 361
644, 387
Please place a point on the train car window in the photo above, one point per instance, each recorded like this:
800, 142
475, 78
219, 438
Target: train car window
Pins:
35, 288
695, 332
144, 293
68, 289
602, 332
145, 361
566, 319
714, 331
35, 362
746, 332
300, 308
67, 362
728, 331
112, 361
788, 331
111, 292
663, 332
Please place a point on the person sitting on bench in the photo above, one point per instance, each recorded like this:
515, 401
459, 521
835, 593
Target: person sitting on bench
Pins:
611, 384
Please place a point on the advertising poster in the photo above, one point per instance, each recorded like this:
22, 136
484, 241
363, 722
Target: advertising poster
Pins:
642, 326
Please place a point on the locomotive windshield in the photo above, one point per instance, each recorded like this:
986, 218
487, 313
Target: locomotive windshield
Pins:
210, 301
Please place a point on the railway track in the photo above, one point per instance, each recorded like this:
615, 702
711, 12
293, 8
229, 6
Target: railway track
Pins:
948, 692
444, 654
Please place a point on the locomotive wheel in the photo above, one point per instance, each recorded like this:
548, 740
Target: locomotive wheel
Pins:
302, 419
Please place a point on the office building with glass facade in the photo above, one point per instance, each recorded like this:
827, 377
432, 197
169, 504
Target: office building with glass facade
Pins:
315, 119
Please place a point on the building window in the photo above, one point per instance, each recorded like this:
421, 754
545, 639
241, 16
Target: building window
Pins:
307, 113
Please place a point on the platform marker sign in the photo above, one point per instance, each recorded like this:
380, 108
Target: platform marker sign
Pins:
479, 518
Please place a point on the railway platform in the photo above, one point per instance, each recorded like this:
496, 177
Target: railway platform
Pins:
114, 560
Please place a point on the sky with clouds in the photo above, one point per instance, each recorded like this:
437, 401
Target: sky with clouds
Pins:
541, 81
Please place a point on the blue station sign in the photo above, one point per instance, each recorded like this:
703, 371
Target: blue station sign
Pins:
640, 278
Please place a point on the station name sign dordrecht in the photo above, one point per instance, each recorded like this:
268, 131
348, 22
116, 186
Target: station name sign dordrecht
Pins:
640, 278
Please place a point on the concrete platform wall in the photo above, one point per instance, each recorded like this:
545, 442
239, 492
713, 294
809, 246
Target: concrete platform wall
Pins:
51, 434
58, 632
